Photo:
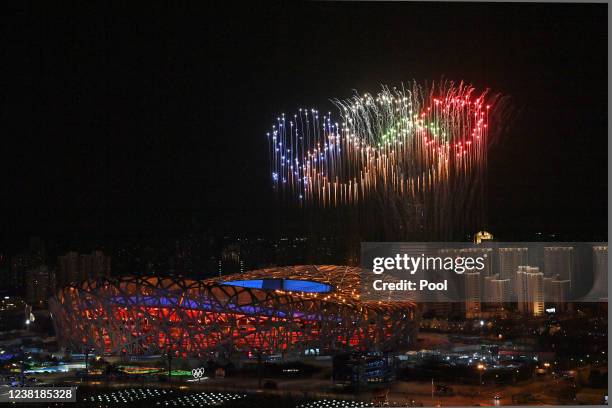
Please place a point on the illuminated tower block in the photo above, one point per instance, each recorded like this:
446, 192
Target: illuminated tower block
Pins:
530, 290
472, 295
509, 261
559, 261
600, 272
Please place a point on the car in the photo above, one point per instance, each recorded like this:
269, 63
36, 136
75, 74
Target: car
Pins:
497, 397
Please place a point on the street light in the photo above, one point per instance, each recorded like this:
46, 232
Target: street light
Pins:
480, 368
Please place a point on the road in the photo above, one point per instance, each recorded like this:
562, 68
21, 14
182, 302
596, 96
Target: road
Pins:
545, 389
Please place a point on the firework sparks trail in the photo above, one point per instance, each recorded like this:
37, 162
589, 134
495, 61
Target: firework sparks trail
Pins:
422, 149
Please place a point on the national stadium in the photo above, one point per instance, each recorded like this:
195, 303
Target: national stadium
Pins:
292, 310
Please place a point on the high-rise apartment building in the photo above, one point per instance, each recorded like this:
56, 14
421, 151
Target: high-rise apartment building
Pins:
472, 295
559, 262
600, 273
509, 261
497, 291
38, 287
530, 290
75, 267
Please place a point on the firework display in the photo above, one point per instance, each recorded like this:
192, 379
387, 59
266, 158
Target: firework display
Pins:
421, 152
274, 310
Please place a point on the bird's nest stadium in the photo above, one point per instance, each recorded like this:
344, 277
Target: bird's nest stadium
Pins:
296, 309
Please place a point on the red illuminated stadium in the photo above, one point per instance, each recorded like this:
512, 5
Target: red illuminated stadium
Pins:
297, 309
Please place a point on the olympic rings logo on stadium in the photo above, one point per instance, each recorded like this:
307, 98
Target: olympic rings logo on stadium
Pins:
197, 372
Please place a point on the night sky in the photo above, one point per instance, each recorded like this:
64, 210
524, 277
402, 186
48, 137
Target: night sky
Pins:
118, 120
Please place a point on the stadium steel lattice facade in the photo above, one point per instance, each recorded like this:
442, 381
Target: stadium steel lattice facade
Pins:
293, 309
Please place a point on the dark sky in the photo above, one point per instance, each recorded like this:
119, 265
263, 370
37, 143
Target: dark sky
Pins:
117, 119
